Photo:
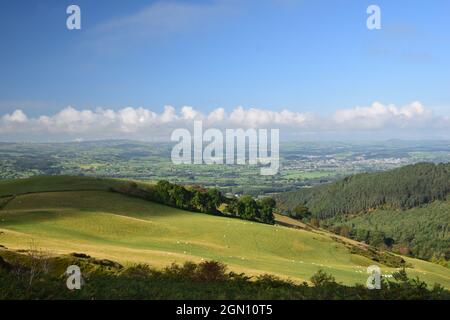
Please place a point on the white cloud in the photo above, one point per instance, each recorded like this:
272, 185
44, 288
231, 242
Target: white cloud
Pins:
380, 116
217, 116
259, 117
16, 116
189, 113
142, 123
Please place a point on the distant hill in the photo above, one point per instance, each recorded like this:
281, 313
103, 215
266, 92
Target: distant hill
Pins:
402, 188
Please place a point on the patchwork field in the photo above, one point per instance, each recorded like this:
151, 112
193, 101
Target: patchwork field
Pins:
103, 224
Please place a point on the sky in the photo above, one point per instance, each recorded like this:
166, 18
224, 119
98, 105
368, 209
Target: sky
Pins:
308, 67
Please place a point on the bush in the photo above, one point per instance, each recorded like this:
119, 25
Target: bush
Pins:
138, 271
211, 271
321, 278
207, 280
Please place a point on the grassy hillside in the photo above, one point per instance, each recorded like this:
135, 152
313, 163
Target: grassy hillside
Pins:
125, 229
55, 183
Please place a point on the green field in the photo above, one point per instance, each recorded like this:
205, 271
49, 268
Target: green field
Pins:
302, 164
301, 175
63, 219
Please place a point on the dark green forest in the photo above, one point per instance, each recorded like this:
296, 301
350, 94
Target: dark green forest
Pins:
422, 232
402, 188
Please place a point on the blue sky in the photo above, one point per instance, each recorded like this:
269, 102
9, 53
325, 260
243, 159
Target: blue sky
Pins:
304, 56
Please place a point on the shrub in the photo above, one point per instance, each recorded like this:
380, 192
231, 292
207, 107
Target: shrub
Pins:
321, 278
211, 271
137, 271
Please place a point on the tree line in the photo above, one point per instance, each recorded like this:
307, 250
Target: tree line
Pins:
199, 199
247, 208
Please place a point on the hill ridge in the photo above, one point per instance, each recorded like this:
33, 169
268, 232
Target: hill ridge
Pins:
403, 188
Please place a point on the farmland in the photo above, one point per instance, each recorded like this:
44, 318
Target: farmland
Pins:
303, 164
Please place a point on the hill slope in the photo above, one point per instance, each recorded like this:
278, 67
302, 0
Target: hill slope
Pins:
404, 209
113, 226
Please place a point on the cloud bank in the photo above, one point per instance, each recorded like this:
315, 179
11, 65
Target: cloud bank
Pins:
145, 124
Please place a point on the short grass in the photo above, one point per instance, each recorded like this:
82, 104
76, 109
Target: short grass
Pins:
302, 175
129, 230
54, 183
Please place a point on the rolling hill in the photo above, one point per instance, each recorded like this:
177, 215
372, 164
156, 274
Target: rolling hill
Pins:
405, 209
76, 214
